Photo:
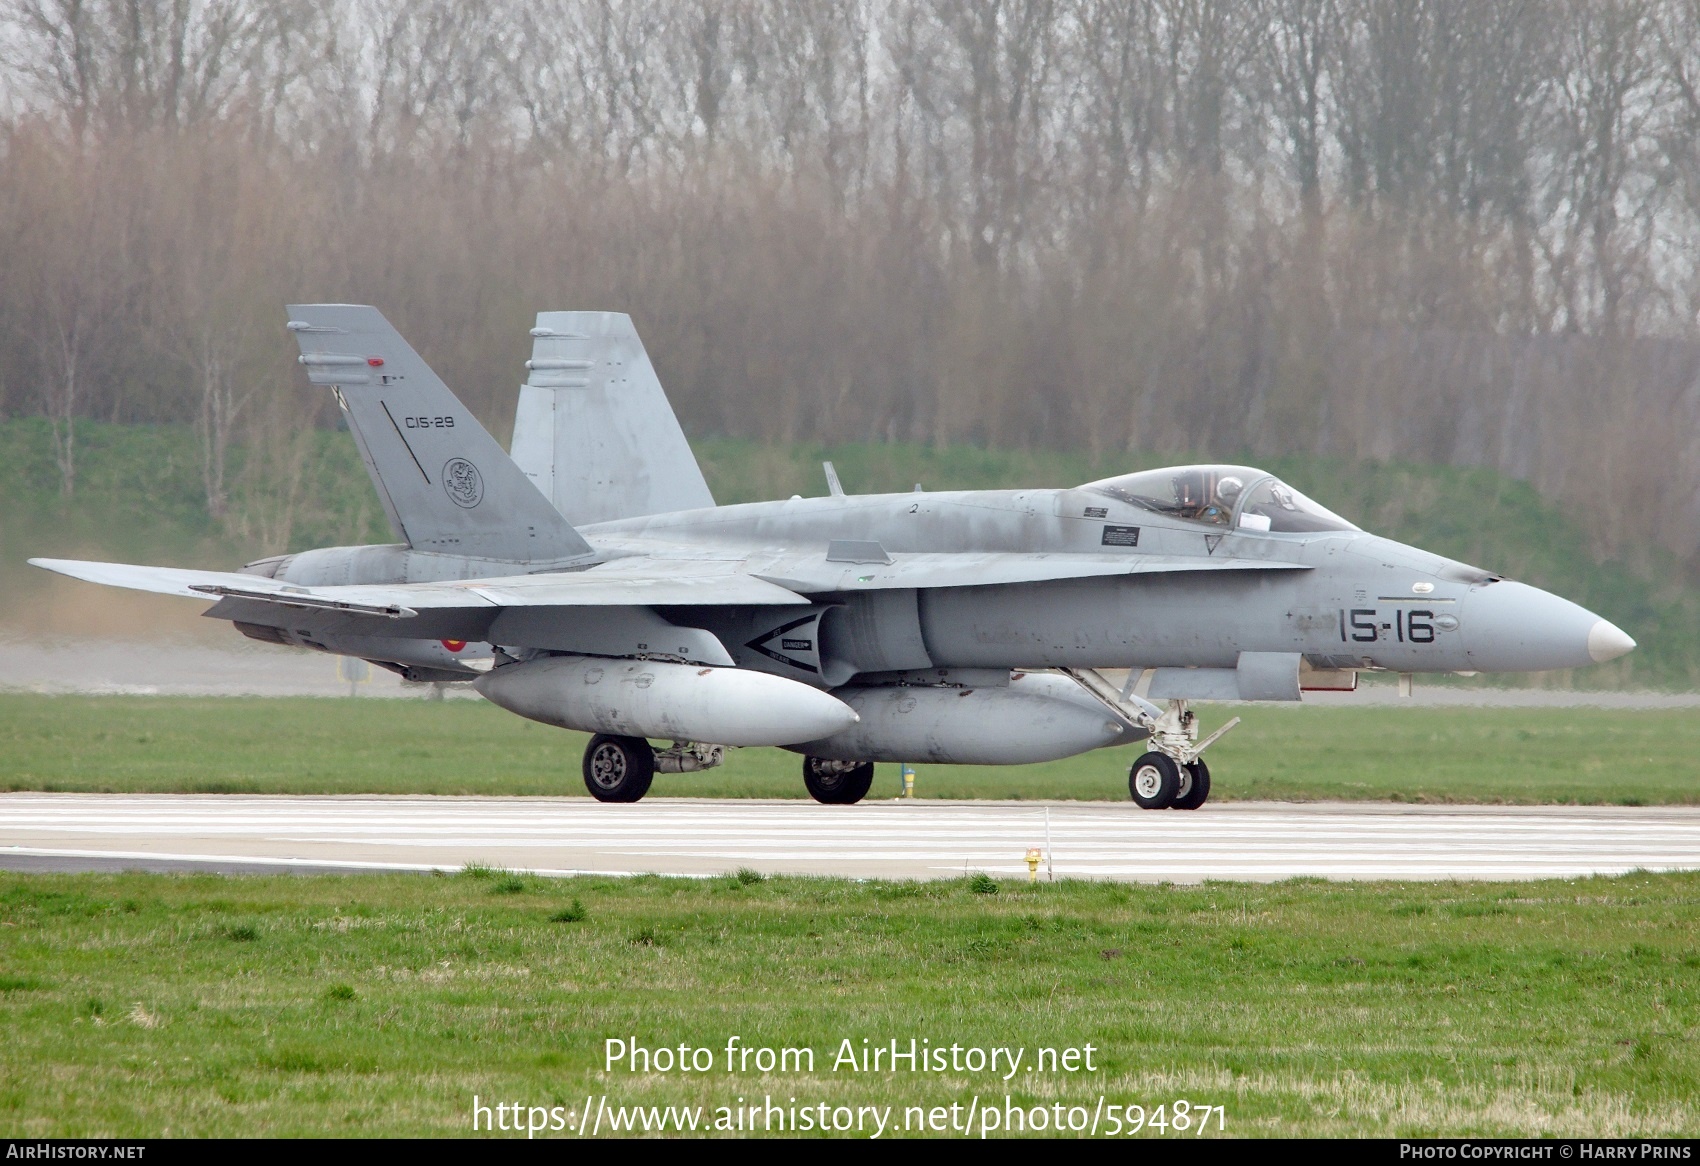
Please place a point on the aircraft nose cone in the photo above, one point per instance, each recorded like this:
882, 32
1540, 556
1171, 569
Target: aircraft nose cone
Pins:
1607, 641
1512, 627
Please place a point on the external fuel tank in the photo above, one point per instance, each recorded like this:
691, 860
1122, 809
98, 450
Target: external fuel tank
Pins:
1035, 717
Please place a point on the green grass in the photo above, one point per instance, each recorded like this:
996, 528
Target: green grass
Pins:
140, 495
307, 745
137, 1005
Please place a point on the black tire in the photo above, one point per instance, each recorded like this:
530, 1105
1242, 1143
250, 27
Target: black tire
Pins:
1195, 787
618, 769
831, 788
1153, 781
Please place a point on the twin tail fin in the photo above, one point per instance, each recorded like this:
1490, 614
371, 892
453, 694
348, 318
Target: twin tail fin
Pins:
594, 430
447, 486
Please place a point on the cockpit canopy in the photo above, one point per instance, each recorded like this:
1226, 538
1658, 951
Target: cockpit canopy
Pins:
1232, 496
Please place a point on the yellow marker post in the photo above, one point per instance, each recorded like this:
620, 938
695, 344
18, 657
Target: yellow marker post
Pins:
1034, 854
355, 671
908, 781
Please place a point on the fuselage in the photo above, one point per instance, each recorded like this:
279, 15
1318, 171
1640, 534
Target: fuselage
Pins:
1363, 602
1344, 599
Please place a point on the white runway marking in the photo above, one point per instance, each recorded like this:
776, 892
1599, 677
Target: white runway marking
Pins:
924, 839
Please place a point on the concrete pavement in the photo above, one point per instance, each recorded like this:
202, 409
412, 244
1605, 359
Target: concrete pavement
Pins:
878, 839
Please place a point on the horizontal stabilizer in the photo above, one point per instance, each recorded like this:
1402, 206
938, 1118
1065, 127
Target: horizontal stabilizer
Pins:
212, 585
812, 573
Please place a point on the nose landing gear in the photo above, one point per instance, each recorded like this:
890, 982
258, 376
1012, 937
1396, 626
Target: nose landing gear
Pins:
1171, 776
1175, 748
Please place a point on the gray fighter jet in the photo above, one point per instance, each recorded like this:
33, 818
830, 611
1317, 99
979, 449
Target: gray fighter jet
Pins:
590, 581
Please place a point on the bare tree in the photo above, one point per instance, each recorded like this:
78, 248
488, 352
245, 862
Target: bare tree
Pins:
71, 288
140, 64
209, 319
1601, 196
1448, 229
587, 78
983, 69
1119, 106
439, 68
1303, 41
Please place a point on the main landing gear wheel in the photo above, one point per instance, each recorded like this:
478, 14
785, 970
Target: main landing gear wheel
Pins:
837, 783
618, 769
1194, 787
1154, 781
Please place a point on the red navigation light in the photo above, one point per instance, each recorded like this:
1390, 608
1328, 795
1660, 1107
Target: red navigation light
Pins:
375, 361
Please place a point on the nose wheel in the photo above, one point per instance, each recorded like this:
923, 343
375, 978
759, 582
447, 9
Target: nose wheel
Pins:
1194, 789
1159, 782
1154, 781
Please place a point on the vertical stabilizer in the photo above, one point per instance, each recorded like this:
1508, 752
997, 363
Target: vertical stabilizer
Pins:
446, 484
594, 430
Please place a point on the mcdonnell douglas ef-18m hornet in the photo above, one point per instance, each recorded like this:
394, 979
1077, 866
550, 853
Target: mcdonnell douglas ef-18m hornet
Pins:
590, 581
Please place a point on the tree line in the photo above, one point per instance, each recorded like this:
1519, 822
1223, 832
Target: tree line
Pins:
1458, 231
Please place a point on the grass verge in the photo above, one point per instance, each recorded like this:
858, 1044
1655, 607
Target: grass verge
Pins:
380, 1005
306, 745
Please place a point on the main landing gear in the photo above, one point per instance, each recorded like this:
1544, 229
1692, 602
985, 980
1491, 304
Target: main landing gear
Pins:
619, 769
837, 783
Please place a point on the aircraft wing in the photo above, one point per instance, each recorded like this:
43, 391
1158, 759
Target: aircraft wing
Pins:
622, 583
812, 573
644, 581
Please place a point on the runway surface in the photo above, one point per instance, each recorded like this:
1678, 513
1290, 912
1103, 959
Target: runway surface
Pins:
920, 839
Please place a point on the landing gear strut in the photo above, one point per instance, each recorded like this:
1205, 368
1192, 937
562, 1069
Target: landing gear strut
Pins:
1171, 775
837, 783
